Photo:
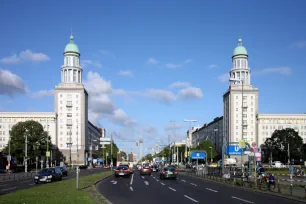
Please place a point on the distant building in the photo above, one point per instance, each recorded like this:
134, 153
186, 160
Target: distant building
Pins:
131, 157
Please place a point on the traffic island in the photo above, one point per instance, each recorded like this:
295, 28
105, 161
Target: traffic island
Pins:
59, 192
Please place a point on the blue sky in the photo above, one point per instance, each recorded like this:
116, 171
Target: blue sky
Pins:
136, 50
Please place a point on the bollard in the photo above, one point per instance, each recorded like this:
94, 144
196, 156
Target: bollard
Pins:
291, 189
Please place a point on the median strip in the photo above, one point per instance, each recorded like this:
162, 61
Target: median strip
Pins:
242, 199
191, 199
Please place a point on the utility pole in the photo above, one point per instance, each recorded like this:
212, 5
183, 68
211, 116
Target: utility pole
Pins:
90, 149
288, 154
111, 134
47, 154
26, 153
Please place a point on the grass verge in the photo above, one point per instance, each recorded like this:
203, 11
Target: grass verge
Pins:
57, 192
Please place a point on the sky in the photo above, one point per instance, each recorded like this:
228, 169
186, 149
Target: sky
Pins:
152, 62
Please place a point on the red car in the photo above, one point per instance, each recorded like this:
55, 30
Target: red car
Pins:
145, 170
105, 167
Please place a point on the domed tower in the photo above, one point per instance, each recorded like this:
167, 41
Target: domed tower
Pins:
240, 72
240, 102
71, 70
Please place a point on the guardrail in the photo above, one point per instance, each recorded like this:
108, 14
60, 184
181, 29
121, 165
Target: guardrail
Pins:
290, 189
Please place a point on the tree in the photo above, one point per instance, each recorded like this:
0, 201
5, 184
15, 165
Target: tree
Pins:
205, 145
149, 157
107, 149
279, 142
37, 141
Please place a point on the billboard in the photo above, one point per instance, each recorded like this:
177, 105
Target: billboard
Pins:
198, 155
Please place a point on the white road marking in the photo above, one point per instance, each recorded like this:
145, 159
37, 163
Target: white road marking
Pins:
211, 190
112, 181
162, 184
242, 199
31, 184
157, 180
183, 180
171, 188
193, 184
191, 199
132, 179
147, 183
7, 189
115, 182
142, 177
153, 176
131, 188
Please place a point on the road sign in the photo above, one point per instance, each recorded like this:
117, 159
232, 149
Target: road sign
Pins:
198, 155
233, 150
254, 145
100, 159
48, 154
242, 144
105, 139
104, 143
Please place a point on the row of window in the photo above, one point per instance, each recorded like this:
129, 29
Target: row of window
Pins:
70, 75
244, 110
2, 132
240, 63
69, 96
280, 121
244, 97
69, 102
71, 61
2, 139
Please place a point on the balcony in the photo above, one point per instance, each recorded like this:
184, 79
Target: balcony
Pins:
69, 104
245, 105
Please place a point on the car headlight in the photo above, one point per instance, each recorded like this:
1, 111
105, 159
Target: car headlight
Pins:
36, 177
50, 176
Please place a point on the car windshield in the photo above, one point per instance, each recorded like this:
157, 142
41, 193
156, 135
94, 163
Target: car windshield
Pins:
46, 171
121, 167
172, 169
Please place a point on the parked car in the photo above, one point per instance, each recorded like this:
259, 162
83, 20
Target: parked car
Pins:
146, 170
168, 172
64, 170
83, 167
122, 171
48, 175
106, 167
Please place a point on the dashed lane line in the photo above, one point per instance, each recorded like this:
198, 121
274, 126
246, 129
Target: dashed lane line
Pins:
193, 184
171, 188
132, 179
183, 180
146, 182
242, 199
142, 177
211, 190
191, 199
162, 184
131, 188
115, 182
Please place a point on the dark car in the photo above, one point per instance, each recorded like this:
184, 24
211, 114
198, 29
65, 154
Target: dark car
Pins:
48, 174
122, 171
167, 172
83, 167
155, 168
64, 170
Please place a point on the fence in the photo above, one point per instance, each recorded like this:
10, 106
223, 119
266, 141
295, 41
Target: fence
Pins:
16, 176
233, 176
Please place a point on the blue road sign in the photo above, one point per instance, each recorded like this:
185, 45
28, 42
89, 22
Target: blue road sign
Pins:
233, 150
198, 155
100, 160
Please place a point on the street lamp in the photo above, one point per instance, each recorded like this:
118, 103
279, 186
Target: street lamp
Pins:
188, 137
174, 122
210, 154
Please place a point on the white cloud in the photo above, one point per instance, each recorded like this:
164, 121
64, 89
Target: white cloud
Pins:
119, 92
152, 61
179, 84
11, 84
173, 66
96, 84
86, 63
299, 44
188, 61
121, 118
278, 70
224, 77
24, 56
190, 92
212, 66
101, 104
160, 95
126, 73
43, 93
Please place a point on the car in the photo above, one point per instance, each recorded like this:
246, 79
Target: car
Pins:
64, 170
146, 170
172, 166
128, 166
122, 171
83, 167
168, 172
106, 167
48, 175
155, 168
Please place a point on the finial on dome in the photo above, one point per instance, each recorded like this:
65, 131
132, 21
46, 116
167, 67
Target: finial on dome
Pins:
239, 42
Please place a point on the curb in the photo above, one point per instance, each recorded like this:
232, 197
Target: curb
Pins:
107, 201
254, 190
95, 183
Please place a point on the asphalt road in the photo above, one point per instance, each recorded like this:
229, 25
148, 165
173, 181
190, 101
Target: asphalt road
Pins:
150, 189
14, 185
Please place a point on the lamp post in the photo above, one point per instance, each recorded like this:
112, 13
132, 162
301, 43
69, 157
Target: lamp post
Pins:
174, 122
210, 154
216, 130
26, 153
188, 137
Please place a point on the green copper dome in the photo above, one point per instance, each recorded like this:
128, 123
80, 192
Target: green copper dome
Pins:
71, 46
240, 50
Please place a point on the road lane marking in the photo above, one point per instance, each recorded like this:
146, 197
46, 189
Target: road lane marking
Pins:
112, 181
171, 188
191, 199
31, 184
162, 184
242, 199
183, 180
132, 179
157, 180
7, 189
153, 176
131, 188
142, 177
115, 182
211, 190
193, 184
147, 183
